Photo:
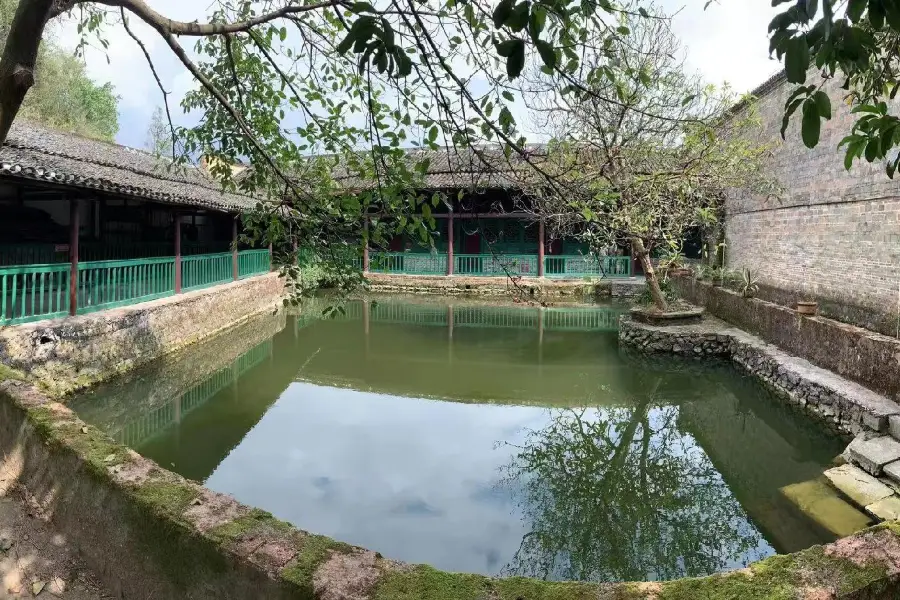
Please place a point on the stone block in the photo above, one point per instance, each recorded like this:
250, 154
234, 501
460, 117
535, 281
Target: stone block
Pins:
886, 509
872, 455
858, 485
894, 426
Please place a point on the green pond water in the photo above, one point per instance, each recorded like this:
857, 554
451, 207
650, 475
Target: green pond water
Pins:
497, 440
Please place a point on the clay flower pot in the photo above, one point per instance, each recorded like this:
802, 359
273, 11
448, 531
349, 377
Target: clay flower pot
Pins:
807, 308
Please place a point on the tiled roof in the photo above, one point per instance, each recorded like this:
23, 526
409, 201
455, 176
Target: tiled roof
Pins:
483, 167
39, 153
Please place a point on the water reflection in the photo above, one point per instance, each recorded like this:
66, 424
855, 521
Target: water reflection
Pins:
622, 494
558, 456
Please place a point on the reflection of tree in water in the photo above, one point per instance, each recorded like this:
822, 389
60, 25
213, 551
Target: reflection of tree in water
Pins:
619, 494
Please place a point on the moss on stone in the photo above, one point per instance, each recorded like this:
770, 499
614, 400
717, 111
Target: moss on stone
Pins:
10, 373
515, 588
313, 550
256, 522
168, 498
425, 583
97, 449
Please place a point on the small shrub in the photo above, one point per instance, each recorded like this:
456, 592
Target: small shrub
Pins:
749, 283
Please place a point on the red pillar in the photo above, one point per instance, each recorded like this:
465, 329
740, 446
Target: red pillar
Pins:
234, 250
74, 225
541, 248
177, 253
450, 243
366, 246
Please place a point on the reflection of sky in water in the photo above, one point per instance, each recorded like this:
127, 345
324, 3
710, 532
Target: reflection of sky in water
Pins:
416, 480
392, 474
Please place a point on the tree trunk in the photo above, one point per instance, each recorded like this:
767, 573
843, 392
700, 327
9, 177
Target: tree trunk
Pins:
643, 255
19, 57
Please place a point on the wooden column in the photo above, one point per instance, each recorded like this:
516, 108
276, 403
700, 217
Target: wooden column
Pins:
450, 243
177, 253
366, 247
74, 226
541, 248
234, 249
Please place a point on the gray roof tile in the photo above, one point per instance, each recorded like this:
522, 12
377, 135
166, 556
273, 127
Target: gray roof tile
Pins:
35, 152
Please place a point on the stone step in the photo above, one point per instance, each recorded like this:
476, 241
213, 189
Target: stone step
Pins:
892, 471
825, 506
874, 454
875, 497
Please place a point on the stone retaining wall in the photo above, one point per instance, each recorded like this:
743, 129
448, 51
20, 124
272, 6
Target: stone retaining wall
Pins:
458, 285
151, 534
73, 352
869, 358
845, 406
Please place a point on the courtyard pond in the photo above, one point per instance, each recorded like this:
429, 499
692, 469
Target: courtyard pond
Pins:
501, 440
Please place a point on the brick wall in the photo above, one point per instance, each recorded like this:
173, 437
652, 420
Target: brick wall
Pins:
832, 235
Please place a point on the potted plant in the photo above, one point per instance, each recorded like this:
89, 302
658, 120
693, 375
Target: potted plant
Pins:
749, 283
807, 307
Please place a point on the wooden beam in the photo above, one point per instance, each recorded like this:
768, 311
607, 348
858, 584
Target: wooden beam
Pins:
541, 248
234, 249
74, 225
177, 253
366, 246
508, 215
450, 245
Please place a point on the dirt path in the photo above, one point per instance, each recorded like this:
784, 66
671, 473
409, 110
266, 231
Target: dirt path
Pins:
35, 560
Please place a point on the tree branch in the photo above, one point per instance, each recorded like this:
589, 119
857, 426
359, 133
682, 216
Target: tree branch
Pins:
19, 57
165, 25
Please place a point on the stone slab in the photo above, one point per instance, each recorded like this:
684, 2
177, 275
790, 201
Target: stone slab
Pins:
858, 485
872, 455
892, 470
886, 509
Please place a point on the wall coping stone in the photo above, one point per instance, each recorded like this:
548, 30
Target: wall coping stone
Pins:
152, 534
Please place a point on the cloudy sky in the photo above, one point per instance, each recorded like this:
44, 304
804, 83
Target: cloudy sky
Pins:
725, 42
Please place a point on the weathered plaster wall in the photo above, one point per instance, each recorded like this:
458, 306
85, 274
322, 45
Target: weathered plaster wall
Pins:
868, 358
74, 352
151, 534
833, 235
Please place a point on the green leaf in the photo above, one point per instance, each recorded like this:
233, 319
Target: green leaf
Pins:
796, 60
789, 110
876, 14
855, 9
811, 124
548, 55
433, 133
361, 7
347, 42
536, 21
516, 60
688, 99
823, 102
502, 12
506, 47
518, 19
508, 95
872, 149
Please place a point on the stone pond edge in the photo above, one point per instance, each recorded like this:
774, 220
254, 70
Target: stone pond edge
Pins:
150, 533
846, 408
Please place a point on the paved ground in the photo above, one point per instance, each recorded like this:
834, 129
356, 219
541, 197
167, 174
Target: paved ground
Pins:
35, 558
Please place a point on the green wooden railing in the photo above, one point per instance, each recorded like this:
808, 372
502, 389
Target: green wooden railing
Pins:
205, 270
578, 265
253, 262
111, 283
554, 319
409, 263
33, 292
574, 266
